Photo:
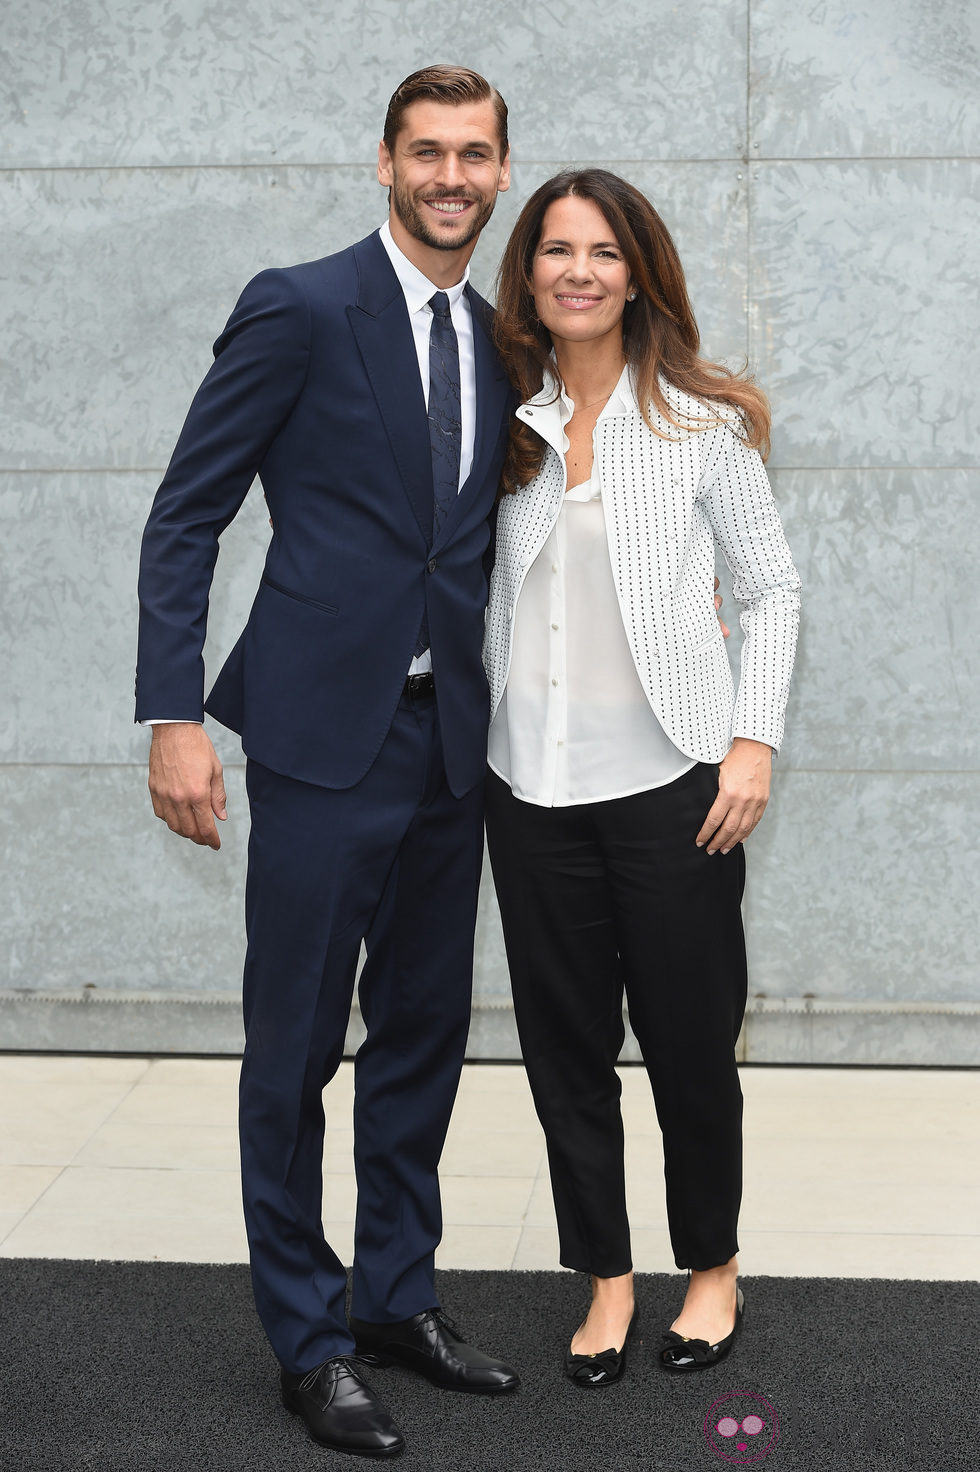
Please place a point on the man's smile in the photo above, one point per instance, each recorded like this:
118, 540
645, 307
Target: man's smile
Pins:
448, 206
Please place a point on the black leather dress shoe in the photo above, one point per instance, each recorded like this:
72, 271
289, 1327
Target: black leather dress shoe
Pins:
431, 1344
596, 1370
680, 1354
341, 1410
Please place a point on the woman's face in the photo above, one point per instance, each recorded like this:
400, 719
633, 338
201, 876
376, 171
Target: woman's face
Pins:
579, 275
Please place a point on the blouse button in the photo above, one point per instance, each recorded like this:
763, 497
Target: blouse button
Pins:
554, 567
554, 626
554, 682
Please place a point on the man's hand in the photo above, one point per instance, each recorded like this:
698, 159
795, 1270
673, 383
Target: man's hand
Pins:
725, 630
743, 792
186, 782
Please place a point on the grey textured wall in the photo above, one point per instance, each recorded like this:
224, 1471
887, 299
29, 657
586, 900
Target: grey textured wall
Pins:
819, 170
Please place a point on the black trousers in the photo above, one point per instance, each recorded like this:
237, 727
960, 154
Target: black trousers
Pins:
596, 899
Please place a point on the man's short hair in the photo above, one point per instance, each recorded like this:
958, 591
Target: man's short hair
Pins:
447, 84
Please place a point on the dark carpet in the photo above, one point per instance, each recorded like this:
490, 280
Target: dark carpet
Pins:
128, 1367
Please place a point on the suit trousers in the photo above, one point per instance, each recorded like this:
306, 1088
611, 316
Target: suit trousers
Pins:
604, 898
393, 861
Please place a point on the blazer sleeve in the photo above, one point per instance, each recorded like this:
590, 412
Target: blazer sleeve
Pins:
258, 374
738, 499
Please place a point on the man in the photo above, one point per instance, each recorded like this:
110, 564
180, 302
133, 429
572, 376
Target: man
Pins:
364, 390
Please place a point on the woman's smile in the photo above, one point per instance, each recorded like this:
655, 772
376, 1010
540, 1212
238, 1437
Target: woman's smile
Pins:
577, 302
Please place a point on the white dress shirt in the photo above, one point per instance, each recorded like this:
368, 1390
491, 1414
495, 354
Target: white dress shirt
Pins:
418, 290
574, 724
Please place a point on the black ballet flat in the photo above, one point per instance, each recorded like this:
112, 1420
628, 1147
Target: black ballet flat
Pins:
683, 1355
595, 1370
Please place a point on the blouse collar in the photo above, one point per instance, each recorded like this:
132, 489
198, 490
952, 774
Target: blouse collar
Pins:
550, 409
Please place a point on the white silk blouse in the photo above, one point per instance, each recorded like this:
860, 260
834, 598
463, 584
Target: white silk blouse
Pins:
574, 724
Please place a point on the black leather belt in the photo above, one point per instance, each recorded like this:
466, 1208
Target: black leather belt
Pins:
418, 685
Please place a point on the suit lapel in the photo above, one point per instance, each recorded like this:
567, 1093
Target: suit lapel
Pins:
380, 323
492, 393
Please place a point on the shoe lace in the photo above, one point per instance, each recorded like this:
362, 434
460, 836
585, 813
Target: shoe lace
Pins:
441, 1317
346, 1366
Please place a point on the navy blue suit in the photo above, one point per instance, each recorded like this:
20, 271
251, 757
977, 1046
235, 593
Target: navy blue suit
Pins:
366, 807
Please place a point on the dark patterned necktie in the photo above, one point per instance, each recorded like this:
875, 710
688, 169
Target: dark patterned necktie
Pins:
445, 422
445, 419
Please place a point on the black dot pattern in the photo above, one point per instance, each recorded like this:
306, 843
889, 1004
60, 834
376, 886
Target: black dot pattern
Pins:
667, 504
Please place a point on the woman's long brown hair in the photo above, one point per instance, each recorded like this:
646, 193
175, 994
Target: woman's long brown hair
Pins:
660, 335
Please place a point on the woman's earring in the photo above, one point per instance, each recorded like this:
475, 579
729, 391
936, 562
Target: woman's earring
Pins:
632, 295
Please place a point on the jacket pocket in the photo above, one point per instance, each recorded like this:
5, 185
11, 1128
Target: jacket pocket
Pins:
299, 597
707, 643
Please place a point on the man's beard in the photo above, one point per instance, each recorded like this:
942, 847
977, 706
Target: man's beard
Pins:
417, 225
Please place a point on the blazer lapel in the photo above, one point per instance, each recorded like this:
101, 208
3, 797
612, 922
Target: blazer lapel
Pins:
381, 327
492, 394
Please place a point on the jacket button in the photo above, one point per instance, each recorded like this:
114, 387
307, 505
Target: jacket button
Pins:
431, 565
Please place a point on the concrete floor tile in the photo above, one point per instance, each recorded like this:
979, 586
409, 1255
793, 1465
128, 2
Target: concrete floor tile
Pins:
491, 1153
339, 1196
340, 1235
171, 1146
207, 1104
541, 1207
860, 1255
165, 1238
537, 1249
49, 1127
112, 1193
495, 1078
645, 1200
499, 1201
490, 1109
645, 1157
83, 1069
479, 1247
845, 1186
8, 1221
22, 1185
338, 1152
906, 1085
182, 1073
652, 1253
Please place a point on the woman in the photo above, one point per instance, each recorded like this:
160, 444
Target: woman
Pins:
625, 771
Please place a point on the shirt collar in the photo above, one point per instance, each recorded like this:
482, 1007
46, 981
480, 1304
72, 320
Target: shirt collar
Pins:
549, 409
418, 289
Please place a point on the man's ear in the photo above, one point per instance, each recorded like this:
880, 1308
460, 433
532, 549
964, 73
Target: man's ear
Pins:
504, 182
384, 165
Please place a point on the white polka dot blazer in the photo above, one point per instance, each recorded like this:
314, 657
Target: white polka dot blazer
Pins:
667, 502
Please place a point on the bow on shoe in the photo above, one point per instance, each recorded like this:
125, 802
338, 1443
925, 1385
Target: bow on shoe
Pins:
595, 1369
679, 1353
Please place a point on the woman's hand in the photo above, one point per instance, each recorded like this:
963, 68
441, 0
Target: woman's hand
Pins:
718, 602
743, 792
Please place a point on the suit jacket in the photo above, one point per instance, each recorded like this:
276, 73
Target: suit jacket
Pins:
666, 503
315, 387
